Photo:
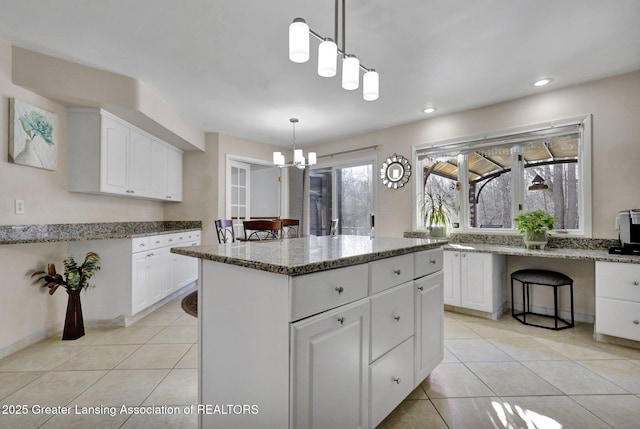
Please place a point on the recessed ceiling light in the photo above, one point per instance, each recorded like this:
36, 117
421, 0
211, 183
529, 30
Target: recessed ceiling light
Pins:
543, 82
429, 109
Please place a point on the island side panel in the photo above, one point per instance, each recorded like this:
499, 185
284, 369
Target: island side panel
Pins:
243, 347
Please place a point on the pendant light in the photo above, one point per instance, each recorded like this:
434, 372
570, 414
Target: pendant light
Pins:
328, 53
298, 155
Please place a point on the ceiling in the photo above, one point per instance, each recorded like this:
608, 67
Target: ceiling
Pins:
224, 64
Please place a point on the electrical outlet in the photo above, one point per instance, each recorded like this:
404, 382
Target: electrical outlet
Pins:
19, 206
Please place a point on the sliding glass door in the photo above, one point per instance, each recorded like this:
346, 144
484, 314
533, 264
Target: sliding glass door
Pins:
346, 193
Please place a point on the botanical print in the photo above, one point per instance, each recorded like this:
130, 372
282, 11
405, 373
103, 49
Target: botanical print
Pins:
32, 135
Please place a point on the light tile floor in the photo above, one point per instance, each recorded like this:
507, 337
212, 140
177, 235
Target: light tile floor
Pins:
496, 374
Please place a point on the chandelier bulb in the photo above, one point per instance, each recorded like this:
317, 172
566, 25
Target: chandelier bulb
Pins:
370, 85
327, 58
350, 72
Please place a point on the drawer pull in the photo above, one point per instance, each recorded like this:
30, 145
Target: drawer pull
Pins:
398, 272
341, 320
396, 380
636, 322
396, 318
141, 244
339, 289
636, 283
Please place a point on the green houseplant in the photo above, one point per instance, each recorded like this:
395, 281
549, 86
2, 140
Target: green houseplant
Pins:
534, 227
76, 278
435, 213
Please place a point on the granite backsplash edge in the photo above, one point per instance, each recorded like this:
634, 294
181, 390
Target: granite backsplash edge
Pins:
47, 233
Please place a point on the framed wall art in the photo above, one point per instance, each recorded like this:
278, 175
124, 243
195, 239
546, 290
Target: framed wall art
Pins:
32, 135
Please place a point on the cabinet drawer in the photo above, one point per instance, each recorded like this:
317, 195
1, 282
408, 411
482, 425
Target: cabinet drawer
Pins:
618, 281
391, 318
427, 262
618, 318
140, 244
192, 236
390, 272
157, 241
314, 293
391, 381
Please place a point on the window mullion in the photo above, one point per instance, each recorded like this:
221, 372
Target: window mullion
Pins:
517, 180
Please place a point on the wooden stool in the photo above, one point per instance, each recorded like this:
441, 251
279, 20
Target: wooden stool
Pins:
542, 278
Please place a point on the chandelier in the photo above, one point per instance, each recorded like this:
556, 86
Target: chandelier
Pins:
298, 156
328, 52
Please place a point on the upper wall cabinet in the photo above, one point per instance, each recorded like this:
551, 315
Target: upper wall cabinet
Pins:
110, 156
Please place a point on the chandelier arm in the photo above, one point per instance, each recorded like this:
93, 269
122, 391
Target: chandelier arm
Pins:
340, 51
344, 26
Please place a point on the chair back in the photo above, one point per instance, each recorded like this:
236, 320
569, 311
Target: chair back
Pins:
334, 227
224, 230
262, 229
290, 228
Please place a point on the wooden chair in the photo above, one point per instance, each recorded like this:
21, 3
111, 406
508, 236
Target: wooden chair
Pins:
290, 228
334, 227
224, 229
262, 229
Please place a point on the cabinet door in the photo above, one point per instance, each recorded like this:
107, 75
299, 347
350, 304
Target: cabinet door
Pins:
114, 157
158, 175
429, 329
330, 370
141, 269
451, 267
476, 286
174, 176
139, 164
157, 278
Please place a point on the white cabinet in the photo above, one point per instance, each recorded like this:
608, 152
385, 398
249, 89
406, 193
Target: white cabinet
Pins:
474, 280
347, 350
618, 300
330, 367
110, 156
429, 324
136, 273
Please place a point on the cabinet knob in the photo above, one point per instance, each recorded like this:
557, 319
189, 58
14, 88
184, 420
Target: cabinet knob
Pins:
141, 244
433, 261
636, 283
396, 318
420, 288
396, 380
636, 322
398, 272
341, 320
339, 289
464, 255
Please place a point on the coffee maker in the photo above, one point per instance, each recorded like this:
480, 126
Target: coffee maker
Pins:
629, 223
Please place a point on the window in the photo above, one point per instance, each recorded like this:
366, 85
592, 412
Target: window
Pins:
343, 192
496, 177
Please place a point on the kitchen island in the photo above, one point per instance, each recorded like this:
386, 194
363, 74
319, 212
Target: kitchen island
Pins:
319, 332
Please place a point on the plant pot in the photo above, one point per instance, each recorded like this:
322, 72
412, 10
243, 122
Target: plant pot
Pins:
535, 240
438, 231
73, 323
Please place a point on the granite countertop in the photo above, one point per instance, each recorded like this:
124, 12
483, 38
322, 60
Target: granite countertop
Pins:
296, 256
559, 253
48, 233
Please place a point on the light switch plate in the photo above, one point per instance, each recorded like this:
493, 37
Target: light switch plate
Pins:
19, 206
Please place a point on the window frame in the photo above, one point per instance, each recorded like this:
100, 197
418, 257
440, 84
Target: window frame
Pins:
461, 144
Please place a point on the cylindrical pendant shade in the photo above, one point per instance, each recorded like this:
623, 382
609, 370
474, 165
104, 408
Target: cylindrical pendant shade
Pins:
297, 156
327, 58
312, 158
350, 72
370, 85
299, 41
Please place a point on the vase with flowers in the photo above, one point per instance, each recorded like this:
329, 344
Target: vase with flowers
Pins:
76, 278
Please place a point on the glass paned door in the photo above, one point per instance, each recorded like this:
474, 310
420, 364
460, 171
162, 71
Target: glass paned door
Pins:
238, 192
345, 193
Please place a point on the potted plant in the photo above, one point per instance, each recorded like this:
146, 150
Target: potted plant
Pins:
75, 279
534, 227
435, 214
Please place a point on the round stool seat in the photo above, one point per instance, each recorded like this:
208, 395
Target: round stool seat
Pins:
541, 277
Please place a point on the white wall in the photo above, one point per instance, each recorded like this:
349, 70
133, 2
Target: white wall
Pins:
615, 107
27, 312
